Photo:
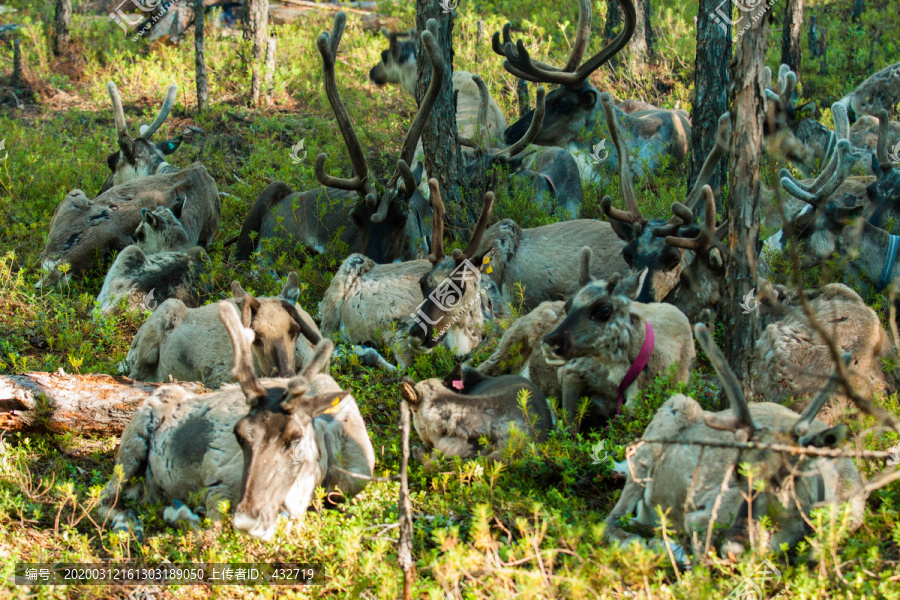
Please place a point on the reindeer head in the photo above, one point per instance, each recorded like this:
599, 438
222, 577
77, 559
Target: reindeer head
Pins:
382, 228
790, 480
885, 191
278, 438
276, 324
598, 318
398, 62
645, 240
138, 157
572, 107
453, 283
160, 230
698, 289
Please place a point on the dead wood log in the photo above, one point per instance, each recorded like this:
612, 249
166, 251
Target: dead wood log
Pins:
83, 404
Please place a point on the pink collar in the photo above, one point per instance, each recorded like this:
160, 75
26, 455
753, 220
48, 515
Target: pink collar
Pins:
637, 366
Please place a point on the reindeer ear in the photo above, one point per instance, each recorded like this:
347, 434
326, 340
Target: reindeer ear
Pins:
830, 438
631, 286
148, 217
237, 291
408, 391
178, 207
291, 290
169, 146
314, 406
584, 266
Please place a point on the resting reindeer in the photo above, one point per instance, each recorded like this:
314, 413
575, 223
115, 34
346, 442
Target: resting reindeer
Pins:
689, 480
398, 66
162, 264
412, 306
600, 344
453, 415
574, 118
139, 157
549, 175
190, 344
543, 260
81, 229
264, 446
793, 357
813, 142
387, 227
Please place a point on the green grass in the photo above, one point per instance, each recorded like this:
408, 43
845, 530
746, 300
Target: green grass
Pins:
529, 528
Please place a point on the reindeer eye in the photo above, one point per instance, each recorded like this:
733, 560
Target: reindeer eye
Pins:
602, 313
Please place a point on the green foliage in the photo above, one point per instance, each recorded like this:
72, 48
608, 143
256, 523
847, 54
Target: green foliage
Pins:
528, 527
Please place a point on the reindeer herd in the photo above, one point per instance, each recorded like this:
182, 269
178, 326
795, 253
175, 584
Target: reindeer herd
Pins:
611, 304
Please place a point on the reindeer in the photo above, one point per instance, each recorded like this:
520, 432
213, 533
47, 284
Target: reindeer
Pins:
162, 264
453, 415
591, 344
264, 446
177, 342
574, 119
398, 66
82, 229
414, 305
807, 142
792, 359
139, 157
699, 485
880, 91
388, 226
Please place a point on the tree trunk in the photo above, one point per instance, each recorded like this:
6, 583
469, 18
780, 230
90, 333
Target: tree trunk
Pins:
256, 25
199, 58
744, 162
269, 80
612, 26
405, 539
639, 45
790, 35
710, 83
443, 159
63, 24
83, 404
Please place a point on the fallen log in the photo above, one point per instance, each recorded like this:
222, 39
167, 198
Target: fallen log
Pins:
83, 404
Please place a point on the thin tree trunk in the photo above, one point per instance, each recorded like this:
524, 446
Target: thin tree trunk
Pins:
443, 159
84, 404
612, 25
790, 35
17, 63
639, 45
63, 38
269, 80
710, 83
745, 158
404, 542
199, 58
256, 25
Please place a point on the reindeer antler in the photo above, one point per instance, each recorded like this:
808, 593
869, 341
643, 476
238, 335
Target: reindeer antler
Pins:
241, 338
407, 151
881, 153
118, 113
707, 227
538, 119
519, 63
827, 182
486, 208
633, 214
741, 419
147, 131
328, 45
437, 223
801, 427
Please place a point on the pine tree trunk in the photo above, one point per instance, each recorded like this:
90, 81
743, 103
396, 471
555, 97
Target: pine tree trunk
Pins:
63, 38
443, 159
790, 35
710, 83
639, 45
612, 26
199, 58
744, 163
256, 25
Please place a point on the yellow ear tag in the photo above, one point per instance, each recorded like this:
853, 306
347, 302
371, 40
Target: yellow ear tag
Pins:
334, 407
485, 261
